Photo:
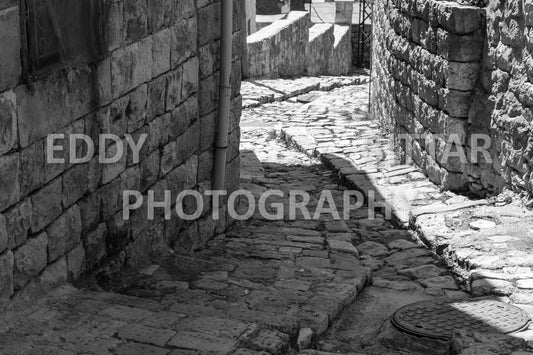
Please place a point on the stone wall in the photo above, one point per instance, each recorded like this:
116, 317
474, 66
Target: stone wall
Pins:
505, 98
340, 60
426, 70
160, 77
279, 49
319, 48
295, 47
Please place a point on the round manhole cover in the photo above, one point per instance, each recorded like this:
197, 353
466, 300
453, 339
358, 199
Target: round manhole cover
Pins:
440, 318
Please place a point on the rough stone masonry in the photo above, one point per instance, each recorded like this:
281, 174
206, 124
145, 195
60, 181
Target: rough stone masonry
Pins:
446, 68
159, 77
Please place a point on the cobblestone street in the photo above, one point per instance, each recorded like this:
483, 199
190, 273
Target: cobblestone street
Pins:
276, 287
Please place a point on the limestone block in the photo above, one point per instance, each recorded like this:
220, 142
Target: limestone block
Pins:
279, 49
8, 120
115, 26
64, 233
135, 19
76, 262
64, 97
454, 181
9, 180
103, 82
89, 211
161, 45
186, 8
150, 170
207, 131
46, 205
458, 18
131, 66
174, 88
461, 76
209, 59
10, 66
6, 276
75, 183
3, 233
208, 94
162, 13
95, 245
191, 70
340, 61
188, 143
182, 116
157, 96
208, 23
18, 222
30, 259
137, 108
112, 171
184, 40
111, 199
455, 103
55, 274
118, 233
459, 48
32, 168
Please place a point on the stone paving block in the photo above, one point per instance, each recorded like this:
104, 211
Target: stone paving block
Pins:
144, 334
272, 341
127, 314
343, 246
140, 349
203, 342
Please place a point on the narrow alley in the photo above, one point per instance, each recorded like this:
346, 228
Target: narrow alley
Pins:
263, 287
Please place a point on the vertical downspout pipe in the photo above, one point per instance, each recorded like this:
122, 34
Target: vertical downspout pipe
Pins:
224, 98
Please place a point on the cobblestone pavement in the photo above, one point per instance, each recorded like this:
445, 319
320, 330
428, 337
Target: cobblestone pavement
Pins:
486, 243
271, 287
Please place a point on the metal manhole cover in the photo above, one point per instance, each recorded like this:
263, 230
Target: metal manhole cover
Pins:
439, 318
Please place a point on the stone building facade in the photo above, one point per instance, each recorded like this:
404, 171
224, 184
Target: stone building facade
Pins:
159, 76
444, 69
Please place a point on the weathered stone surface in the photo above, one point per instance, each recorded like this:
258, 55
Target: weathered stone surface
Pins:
32, 160
183, 43
8, 119
140, 349
143, 334
9, 180
272, 341
3, 233
76, 262
279, 49
55, 274
30, 259
131, 66
421, 272
343, 246
6, 276
10, 69
373, 249
18, 221
64, 233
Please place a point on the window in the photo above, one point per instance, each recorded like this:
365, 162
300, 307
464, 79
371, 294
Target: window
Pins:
62, 32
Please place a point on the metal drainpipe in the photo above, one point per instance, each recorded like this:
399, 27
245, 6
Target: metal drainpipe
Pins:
224, 98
